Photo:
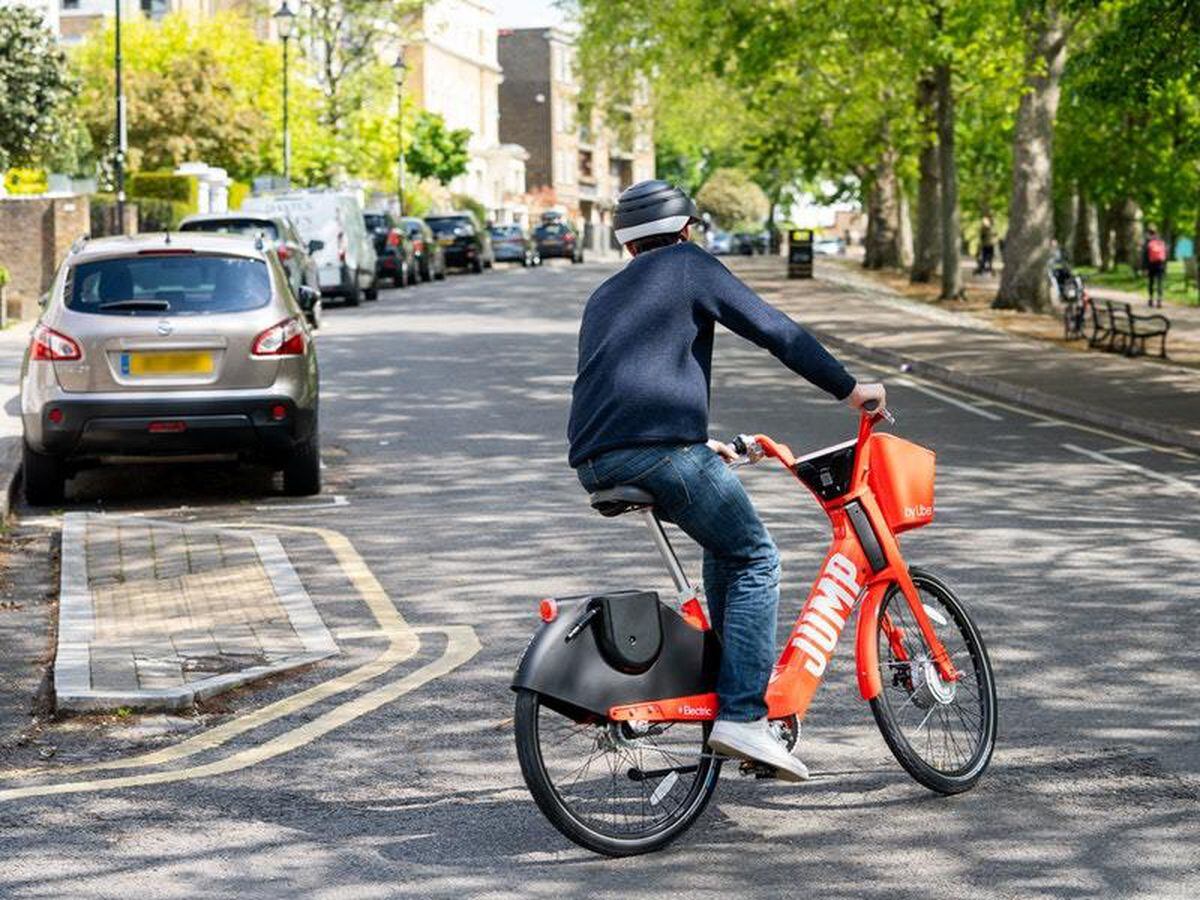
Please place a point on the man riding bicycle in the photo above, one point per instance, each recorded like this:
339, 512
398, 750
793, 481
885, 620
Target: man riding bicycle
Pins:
639, 415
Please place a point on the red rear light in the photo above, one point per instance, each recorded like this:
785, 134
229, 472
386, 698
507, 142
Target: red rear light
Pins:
548, 610
569, 239
167, 427
284, 253
419, 246
55, 415
48, 344
284, 339
393, 238
278, 412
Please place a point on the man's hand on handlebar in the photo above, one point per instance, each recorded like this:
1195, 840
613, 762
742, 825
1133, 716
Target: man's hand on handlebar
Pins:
723, 450
871, 398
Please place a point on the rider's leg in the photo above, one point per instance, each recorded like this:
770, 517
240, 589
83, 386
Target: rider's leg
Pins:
715, 587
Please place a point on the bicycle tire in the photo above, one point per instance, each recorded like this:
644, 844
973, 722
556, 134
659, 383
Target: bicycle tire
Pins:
573, 825
964, 776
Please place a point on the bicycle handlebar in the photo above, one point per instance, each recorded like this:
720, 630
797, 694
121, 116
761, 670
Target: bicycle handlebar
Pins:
753, 448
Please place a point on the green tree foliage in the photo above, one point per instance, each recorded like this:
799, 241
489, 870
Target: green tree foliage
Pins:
436, 151
35, 87
733, 200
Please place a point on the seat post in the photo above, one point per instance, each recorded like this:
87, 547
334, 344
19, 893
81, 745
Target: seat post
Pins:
659, 536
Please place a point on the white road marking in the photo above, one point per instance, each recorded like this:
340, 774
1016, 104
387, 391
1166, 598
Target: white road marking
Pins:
1134, 467
972, 407
335, 500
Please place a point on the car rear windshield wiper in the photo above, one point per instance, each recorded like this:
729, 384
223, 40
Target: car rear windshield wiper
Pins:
148, 303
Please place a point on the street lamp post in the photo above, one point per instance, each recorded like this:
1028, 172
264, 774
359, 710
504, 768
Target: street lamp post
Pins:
119, 157
401, 71
284, 20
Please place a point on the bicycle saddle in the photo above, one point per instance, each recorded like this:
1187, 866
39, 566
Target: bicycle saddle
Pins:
621, 499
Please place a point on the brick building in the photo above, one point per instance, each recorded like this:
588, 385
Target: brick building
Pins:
579, 166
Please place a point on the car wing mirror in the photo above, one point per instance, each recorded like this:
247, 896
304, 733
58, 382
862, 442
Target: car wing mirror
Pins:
314, 246
44, 300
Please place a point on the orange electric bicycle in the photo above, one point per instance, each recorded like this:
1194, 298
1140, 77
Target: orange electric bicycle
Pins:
615, 691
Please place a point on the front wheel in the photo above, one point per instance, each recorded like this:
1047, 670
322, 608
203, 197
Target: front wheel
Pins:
616, 788
942, 733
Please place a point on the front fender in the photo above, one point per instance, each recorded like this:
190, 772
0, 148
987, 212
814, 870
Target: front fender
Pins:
866, 645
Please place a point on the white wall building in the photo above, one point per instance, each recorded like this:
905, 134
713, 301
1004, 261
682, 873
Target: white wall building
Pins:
454, 71
48, 9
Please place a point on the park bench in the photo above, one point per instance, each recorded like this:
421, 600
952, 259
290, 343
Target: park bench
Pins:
1131, 331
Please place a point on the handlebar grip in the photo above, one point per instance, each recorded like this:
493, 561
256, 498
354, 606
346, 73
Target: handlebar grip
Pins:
739, 445
871, 405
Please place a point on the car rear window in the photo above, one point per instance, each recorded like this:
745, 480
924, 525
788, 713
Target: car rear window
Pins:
373, 221
249, 227
551, 230
507, 231
180, 284
445, 227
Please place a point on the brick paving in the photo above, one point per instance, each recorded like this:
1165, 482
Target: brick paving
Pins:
154, 612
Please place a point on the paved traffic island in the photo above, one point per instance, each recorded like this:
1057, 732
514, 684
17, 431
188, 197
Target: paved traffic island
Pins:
156, 615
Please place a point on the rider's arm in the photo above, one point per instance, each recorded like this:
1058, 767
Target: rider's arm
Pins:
724, 297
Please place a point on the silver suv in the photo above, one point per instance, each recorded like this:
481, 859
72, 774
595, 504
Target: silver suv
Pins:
162, 345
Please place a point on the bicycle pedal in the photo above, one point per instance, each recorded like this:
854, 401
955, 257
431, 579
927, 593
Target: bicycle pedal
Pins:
757, 770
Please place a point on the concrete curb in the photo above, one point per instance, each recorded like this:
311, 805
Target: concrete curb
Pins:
996, 389
76, 626
10, 474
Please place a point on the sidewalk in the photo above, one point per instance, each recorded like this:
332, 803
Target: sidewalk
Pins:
154, 615
1155, 401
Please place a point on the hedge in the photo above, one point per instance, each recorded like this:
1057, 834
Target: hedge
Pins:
238, 192
161, 215
165, 186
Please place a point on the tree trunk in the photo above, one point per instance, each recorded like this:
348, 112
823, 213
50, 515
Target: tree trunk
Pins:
1023, 281
1128, 247
948, 172
927, 240
884, 233
904, 233
1064, 225
1107, 217
1085, 243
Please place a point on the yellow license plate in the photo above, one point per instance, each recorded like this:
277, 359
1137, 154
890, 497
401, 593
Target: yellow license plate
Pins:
197, 362
445, 242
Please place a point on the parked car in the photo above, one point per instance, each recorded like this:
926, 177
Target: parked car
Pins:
395, 259
295, 254
463, 242
748, 243
431, 261
829, 246
720, 243
182, 344
346, 257
511, 244
558, 239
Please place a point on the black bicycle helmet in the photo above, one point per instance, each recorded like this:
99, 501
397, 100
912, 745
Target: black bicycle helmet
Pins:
652, 207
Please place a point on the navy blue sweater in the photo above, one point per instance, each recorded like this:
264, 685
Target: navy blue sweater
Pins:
645, 350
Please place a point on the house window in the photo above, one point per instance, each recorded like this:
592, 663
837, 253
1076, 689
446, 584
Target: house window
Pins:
585, 166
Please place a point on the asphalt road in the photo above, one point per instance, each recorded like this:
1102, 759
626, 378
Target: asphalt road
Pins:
444, 417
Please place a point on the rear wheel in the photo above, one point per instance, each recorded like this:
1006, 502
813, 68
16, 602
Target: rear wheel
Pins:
372, 293
616, 788
354, 295
302, 472
942, 733
477, 265
44, 478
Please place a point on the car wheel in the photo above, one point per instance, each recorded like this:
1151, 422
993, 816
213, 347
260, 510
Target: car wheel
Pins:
302, 472
44, 478
354, 295
477, 266
400, 280
372, 293
440, 274
426, 271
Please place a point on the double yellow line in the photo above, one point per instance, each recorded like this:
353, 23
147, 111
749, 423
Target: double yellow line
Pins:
403, 644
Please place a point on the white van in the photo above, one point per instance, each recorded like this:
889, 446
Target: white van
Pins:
346, 256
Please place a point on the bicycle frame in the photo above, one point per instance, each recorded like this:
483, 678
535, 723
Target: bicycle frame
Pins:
862, 563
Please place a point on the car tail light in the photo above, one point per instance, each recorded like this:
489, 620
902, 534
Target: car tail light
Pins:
48, 344
569, 239
419, 245
284, 253
341, 246
393, 238
284, 339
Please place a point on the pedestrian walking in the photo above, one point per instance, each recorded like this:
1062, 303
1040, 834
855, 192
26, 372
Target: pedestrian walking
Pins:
1154, 258
987, 246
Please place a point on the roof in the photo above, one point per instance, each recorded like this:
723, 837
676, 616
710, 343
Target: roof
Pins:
198, 241
233, 214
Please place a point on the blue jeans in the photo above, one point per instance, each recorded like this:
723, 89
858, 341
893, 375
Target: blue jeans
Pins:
693, 488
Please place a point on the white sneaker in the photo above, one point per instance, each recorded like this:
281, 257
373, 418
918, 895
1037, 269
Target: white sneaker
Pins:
754, 741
